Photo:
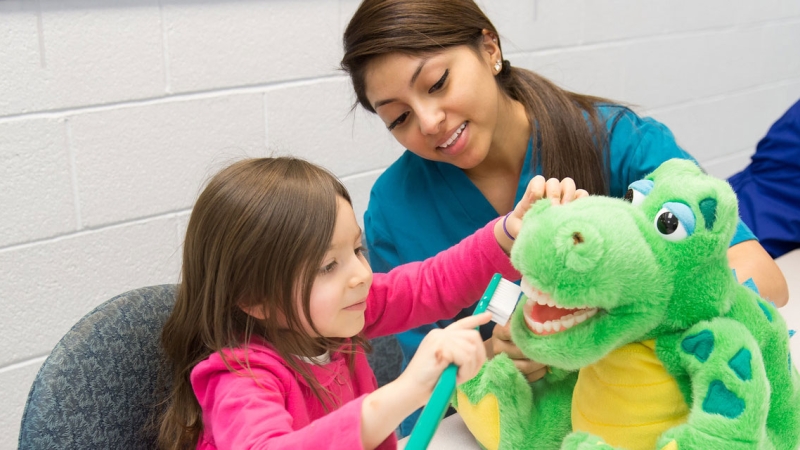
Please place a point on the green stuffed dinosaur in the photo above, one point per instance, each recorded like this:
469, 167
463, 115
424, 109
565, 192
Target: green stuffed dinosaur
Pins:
651, 341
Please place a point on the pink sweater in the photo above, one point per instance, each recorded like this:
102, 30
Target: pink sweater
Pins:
274, 408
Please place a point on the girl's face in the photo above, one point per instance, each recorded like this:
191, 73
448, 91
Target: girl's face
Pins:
442, 107
339, 293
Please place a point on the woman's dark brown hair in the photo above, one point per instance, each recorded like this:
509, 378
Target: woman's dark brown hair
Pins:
567, 145
256, 237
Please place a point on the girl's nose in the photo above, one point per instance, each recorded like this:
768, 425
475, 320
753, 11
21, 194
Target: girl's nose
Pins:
362, 274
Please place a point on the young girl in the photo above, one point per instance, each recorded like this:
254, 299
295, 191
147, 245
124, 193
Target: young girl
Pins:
268, 335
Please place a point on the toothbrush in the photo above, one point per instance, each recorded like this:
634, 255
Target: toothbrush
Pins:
500, 298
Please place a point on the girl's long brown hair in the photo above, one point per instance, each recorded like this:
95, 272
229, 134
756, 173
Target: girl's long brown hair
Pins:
256, 237
566, 145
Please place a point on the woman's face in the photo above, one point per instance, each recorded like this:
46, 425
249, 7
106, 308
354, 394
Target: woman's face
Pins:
442, 107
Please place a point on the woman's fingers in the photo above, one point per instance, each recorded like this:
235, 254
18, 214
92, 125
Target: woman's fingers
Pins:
501, 343
507, 347
531, 369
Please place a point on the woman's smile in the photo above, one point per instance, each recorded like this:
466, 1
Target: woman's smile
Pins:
455, 142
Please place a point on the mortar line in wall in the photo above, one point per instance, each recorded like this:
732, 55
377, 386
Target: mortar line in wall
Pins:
165, 49
654, 37
731, 94
36, 359
180, 97
91, 230
266, 119
40, 35
73, 169
363, 174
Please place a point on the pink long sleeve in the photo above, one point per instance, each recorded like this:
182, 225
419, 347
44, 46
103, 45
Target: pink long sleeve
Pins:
437, 288
271, 407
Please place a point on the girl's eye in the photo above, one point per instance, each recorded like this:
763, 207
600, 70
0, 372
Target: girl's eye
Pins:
361, 250
328, 268
398, 121
438, 85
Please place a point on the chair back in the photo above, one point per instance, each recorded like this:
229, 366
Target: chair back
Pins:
99, 388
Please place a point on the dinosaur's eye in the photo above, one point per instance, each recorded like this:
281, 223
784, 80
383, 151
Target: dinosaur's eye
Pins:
637, 191
675, 221
635, 197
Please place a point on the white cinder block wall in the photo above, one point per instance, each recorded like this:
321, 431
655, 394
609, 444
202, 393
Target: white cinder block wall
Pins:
112, 114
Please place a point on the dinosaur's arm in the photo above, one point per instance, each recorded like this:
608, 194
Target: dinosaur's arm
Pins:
728, 385
504, 411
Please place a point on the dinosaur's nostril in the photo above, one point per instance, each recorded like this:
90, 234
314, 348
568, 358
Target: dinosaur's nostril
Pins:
577, 238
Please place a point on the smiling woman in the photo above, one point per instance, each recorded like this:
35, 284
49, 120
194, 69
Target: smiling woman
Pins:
477, 130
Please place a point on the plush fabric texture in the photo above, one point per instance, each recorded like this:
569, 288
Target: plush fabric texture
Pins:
99, 387
651, 340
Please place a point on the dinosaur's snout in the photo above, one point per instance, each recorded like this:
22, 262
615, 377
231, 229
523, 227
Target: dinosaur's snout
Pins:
581, 246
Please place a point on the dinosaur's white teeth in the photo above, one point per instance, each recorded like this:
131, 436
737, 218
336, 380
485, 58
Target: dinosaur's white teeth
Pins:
557, 325
536, 296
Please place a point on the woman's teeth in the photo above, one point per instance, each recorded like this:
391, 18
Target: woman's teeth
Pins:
454, 136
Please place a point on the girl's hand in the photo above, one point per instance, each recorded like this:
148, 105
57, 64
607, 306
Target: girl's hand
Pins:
559, 193
459, 343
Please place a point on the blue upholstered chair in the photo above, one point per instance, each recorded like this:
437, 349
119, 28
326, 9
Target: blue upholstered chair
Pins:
386, 359
99, 388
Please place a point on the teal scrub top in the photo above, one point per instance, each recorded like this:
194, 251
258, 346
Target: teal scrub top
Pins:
418, 207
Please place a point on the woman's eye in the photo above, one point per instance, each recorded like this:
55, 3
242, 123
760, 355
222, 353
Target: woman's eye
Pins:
438, 85
328, 268
398, 121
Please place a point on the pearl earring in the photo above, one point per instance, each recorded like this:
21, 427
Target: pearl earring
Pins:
498, 65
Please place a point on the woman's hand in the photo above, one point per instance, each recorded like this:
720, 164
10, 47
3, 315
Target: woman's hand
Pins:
500, 342
558, 192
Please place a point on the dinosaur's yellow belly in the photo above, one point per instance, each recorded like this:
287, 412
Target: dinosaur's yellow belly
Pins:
628, 398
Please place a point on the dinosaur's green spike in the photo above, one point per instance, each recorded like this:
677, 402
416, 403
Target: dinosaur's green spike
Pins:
708, 207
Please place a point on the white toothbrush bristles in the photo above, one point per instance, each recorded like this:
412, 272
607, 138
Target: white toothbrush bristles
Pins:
503, 301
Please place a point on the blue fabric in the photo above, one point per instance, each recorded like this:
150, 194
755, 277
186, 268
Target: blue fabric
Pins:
99, 388
418, 208
769, 188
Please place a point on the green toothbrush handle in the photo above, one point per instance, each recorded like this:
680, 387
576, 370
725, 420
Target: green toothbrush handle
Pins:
434, 411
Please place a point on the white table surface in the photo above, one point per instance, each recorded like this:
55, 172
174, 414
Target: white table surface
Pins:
790, 265
453, 434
